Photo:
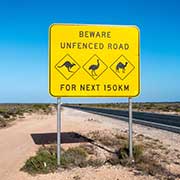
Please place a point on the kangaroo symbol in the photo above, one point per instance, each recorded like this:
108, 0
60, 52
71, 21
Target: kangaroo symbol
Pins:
94, 67
68, 65
122, 66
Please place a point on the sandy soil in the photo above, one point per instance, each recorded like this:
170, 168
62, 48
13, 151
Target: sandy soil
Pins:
16, 145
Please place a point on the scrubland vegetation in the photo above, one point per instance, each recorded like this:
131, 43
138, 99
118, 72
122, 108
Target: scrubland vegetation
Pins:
10, 112
151, 157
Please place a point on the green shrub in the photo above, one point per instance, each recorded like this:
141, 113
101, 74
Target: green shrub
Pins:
3, 123
6, 116
45, 107
137, 151
43, 162
123, 153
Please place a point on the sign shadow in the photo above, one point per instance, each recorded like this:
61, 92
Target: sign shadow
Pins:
66, 137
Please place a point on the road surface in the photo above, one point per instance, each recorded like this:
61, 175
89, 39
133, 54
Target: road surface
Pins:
161, 121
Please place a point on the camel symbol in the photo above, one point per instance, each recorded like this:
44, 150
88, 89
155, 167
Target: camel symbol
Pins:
122, 66
94, 67
68, 65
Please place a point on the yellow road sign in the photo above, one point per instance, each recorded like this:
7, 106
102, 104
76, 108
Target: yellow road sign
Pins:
93, 61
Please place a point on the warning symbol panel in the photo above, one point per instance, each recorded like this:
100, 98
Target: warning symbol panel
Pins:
95, 67
122, 67
67, 66
94, 60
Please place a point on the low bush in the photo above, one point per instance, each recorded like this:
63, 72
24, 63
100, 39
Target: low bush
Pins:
43, 162
3, 123
75, 156
123, 155
6, 116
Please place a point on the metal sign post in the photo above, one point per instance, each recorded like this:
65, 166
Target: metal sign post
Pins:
130, 128
58, 131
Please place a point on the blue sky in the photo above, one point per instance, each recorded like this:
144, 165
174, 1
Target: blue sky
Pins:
24, 44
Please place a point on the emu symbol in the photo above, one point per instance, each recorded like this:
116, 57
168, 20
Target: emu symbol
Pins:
94, 67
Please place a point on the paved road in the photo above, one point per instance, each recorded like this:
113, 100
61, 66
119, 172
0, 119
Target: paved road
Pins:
162, 121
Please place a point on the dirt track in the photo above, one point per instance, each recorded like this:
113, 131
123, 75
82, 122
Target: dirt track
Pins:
17, 145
